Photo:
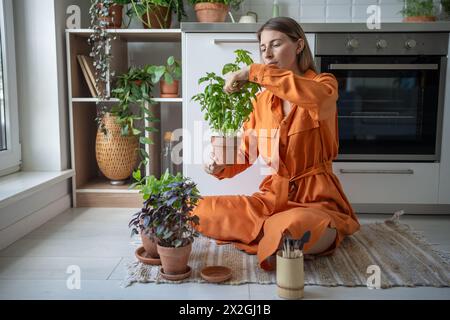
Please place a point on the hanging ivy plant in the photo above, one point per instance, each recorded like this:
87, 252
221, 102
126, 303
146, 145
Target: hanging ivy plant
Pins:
100, 42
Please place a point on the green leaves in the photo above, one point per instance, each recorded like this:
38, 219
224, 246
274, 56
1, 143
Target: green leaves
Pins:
226, 113
418, 8
167, 211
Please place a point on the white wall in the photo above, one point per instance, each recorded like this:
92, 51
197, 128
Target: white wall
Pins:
38, 84
327, 10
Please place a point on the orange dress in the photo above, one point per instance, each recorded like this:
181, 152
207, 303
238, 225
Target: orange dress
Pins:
303, 194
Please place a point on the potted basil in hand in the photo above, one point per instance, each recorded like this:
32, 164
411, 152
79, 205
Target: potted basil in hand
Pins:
226, 113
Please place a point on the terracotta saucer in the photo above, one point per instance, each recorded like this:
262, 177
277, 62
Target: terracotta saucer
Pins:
216, 273
175, 277
143, 257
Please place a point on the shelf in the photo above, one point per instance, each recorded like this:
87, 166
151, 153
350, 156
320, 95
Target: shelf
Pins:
103, 185
113, 100
137, 35
100, 193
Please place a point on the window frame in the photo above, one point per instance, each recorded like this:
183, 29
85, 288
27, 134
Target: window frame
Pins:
10, 159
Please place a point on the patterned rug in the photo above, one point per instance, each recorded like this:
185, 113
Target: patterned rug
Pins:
402, 255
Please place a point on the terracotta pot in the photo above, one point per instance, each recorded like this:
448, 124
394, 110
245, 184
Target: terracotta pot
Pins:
174, 260
419, 19
226, 149
114, 19
211, 12
138, 82
157, 17
116, 155
169, 90
150, 246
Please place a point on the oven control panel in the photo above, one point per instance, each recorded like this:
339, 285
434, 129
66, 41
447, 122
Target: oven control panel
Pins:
381, 43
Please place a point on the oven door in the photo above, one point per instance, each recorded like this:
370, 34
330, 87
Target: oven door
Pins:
389, 108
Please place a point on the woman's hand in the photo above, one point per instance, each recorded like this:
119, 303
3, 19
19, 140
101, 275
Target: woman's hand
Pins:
212, 167
235, 80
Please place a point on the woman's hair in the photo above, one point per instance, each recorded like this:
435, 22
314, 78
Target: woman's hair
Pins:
294, 31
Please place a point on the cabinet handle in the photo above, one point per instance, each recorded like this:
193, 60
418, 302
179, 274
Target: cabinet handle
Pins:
220, 41
405, 171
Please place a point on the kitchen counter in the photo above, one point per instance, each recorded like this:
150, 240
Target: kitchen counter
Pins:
438, 26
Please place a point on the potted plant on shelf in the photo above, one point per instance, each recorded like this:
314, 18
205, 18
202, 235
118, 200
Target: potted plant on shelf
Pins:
157, 14
214, 10
167, 217
134, 87
418, 11
168, 76
226, 113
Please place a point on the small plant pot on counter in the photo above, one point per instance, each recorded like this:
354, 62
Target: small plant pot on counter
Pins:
419, 19
169, 90
226, 149
174, 262
211, 12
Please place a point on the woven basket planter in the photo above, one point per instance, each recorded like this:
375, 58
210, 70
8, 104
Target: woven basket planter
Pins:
116, 155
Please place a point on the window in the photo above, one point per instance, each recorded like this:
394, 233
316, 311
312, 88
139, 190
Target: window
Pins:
9, 124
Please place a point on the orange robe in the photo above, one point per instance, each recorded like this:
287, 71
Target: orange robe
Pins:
304, 194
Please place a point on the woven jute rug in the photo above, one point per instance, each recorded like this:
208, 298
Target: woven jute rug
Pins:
403, 257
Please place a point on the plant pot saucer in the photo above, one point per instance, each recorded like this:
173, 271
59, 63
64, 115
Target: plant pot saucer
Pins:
216, 273
145, 258
175, 277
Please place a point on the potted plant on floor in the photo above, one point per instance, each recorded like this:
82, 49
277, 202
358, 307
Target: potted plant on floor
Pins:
168, 76
214, 10
167, 215
226, 113
157, 14
418, 11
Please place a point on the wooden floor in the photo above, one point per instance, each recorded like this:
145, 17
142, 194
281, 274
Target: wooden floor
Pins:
97, 240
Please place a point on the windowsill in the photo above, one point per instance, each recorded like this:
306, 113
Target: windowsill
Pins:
17, 186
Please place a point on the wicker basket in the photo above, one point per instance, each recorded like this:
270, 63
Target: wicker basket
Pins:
116, 155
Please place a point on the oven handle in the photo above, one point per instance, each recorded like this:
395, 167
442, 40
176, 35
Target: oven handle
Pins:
399, 171
220, 41
383, 66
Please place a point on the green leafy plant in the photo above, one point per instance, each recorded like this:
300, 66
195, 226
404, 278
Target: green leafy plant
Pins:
418, 8
234, 4
134, 87
170, 71
226, 113
167, 210
141, 7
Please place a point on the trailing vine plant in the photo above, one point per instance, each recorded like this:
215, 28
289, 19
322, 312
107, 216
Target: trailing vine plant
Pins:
100, 42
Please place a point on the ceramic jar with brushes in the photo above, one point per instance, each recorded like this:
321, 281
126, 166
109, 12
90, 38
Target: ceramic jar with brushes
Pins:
290, 270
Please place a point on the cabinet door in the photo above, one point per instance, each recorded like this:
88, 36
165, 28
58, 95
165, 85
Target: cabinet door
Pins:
383, 183
208, 52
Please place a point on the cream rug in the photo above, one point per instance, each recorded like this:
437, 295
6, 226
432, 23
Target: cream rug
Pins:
404, 257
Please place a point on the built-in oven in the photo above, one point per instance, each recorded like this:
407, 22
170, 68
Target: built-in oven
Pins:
391, 93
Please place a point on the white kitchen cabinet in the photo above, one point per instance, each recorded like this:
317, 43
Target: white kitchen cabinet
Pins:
389, 183
209, 52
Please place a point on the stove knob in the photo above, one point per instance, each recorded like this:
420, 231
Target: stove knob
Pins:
411, 43
381, 44
352, 44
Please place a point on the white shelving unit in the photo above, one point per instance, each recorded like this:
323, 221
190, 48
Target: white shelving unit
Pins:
89, 187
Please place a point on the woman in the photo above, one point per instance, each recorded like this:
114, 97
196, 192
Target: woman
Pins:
299, 107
